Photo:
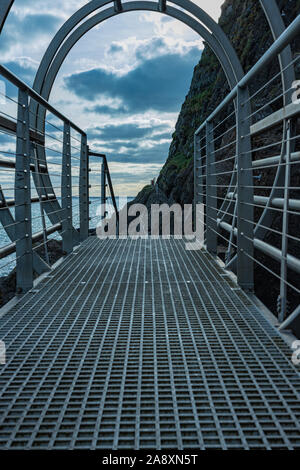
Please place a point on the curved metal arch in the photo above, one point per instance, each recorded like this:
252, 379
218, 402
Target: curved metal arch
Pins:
270, 9
54, 58
94, 5
277, 27
287, 76
5, 7
128, 7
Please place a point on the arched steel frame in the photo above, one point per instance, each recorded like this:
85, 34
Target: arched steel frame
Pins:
5, 7
200, 22
66, 38
277, 27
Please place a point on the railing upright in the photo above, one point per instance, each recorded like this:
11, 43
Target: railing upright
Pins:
23, 227
66, 191
84, 189
211, 192
245, 205
285, 229
103, 188
198, 176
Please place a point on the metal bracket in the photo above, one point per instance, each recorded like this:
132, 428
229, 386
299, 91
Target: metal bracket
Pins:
162, 5
118, 6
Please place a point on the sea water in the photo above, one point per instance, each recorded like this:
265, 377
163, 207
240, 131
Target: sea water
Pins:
7, 264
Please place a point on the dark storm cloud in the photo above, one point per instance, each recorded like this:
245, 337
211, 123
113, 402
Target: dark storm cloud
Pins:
18, 29
156, 154
104, 109
159, 83
23, 69
124, 132
115, 48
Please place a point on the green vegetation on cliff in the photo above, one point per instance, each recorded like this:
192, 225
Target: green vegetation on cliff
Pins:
246, 26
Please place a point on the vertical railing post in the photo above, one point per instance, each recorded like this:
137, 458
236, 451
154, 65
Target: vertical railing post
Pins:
245, 210
66, 191
211, 192
103, 188
24, 254
285, 229
198, 176
84, 190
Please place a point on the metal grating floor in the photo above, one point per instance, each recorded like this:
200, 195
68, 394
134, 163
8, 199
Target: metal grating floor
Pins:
140, 344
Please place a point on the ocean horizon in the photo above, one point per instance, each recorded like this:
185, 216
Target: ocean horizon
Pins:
8, 264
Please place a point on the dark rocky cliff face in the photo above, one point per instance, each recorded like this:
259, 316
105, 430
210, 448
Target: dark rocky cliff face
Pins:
246, 26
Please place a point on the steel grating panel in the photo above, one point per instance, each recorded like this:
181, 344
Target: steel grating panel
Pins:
140, 344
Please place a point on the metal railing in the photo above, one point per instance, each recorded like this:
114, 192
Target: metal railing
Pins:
248, 188
246, 167
41, 198
106, 182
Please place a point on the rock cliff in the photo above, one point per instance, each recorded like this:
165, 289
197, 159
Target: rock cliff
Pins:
246, 26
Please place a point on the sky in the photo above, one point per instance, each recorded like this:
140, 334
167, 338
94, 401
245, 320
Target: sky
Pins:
124, 82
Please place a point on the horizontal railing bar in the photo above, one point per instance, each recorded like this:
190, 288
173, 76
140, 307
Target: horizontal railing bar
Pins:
264, 162
273, 119
286, 324
11, 126
282, 69
294, 204
8, 75
295, 156
292, 262
288, 112
286, 37
11, 248
4, 163
95, 154
35, 199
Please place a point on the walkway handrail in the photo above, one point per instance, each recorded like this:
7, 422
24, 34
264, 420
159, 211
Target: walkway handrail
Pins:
106, 176
225, 181
20, 84
289, 34
57, 181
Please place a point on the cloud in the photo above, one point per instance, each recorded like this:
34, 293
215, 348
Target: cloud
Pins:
21, 31
158, 83
106, 109
6, 141
124, 131
145, 68
23, 67
37, 24
155, 47
138, 154
132, 143
115, 48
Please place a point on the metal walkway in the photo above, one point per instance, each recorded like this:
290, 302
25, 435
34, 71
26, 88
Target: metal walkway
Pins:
140, 344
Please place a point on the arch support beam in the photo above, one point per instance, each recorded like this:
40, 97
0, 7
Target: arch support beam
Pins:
5, 6
277, 27
118, 6
67, 37
162, 4
64, 41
